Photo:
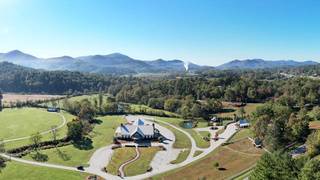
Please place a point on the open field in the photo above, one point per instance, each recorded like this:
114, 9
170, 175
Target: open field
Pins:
233, 158
16, 123
120, 156
141, 165
101, 136
61, 133
241, 134
12, 98
17, 171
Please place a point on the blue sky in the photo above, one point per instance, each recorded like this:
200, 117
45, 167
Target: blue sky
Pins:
207, 32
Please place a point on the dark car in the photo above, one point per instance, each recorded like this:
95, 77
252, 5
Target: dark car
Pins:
80, 168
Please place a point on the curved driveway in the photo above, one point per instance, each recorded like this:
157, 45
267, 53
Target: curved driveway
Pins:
97, 167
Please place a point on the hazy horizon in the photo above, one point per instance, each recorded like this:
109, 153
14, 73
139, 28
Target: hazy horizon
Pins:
206, 32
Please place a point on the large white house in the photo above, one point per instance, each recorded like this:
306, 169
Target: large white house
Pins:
138, 130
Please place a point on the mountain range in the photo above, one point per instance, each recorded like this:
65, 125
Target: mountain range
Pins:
120, 64
115, 63
263, 64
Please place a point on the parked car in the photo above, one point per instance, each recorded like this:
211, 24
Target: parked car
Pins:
80, 168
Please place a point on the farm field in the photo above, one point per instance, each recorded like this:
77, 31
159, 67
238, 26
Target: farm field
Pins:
12, 98
233, 158
102, 135
16, 171
16, 123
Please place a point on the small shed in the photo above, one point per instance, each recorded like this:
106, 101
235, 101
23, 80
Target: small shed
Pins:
243, 123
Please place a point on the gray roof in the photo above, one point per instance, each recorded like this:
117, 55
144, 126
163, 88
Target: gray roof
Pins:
129, 130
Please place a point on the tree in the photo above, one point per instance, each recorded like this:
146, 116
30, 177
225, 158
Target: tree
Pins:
54, 133
311, 170
35, 139
316, 113
1, 97
100, 100
2, 146
196, 110
172, 105
313, 144
185, 112
242, 112
87, 112
156, 103
277, 166
75, 130
2, 163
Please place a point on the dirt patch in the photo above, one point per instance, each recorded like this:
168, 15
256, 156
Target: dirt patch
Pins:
233, 158
12, 98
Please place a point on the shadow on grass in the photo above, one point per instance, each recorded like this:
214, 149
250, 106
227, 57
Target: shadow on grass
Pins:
96, 121
64, 156
39, 157
84, 144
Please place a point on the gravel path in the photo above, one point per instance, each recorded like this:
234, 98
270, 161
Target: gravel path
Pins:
121, 168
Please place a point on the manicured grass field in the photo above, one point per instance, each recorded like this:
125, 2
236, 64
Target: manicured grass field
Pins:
141, 165
101, 136
183, 155
201, 143
16, 123
235, 158
197, 153
61, 133
120, 156
19, 171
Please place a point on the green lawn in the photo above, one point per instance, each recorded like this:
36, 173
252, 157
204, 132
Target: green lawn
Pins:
201, 143
101, 136
197, 153
241, 134
22, 122
183, 155
61, 133
19, 171
120, 156
141, 165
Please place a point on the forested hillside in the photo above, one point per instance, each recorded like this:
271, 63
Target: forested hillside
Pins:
237, 86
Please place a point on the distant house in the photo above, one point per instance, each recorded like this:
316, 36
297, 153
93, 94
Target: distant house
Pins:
52, 109
136, 131
214, 119
243, 123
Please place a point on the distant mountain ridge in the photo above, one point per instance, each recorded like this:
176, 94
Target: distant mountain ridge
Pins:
115, 63
120, 64
262, 64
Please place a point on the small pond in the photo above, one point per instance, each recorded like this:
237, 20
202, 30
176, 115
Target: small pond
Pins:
187, 124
